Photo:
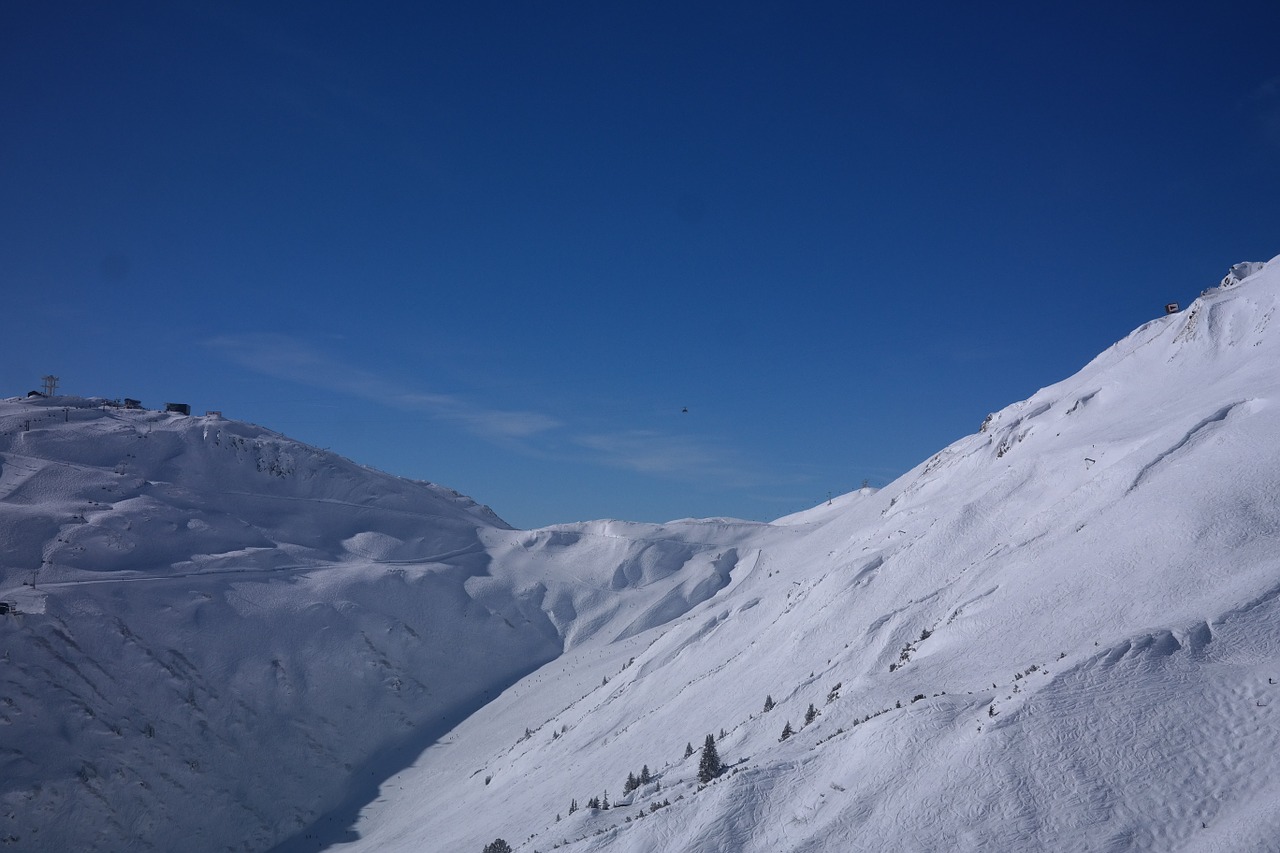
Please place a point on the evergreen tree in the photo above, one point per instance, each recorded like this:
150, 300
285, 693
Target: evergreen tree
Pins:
573, 806
709, 766
768, 704
631, 784
497, 846
786, 731
645, 776
688, 750
604, 801
810, 715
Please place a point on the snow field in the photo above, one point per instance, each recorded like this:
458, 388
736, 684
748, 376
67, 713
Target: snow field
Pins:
1059, 633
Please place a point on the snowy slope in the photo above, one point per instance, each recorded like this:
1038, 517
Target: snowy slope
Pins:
216, 613
1084, 592
236, 641
150, 492
228, 638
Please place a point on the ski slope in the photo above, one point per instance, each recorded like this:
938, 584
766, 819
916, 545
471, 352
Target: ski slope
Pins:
1058, 633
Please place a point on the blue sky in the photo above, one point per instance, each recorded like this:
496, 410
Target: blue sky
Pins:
503, 246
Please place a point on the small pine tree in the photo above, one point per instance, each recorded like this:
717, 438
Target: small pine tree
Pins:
593, 803
631, 784
768, 704
786, 731
688, 750
709, 766
573, 806
810, 715
604, 801
497, 846
645, 776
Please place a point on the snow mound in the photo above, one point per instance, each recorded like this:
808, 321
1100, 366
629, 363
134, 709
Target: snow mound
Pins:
1241, 271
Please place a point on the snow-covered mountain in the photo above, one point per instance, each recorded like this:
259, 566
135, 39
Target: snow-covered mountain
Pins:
1059, 633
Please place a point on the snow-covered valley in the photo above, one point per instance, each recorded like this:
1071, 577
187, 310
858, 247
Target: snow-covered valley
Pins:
1059, 633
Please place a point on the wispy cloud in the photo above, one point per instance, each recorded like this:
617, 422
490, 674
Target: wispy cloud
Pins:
670, 456
288, 358
537, 434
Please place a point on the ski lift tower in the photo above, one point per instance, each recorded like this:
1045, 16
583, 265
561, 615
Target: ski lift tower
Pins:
50, 385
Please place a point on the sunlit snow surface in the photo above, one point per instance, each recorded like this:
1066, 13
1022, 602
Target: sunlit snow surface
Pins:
236, 641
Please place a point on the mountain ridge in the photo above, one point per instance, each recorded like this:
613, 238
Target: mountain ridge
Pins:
1109, 540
